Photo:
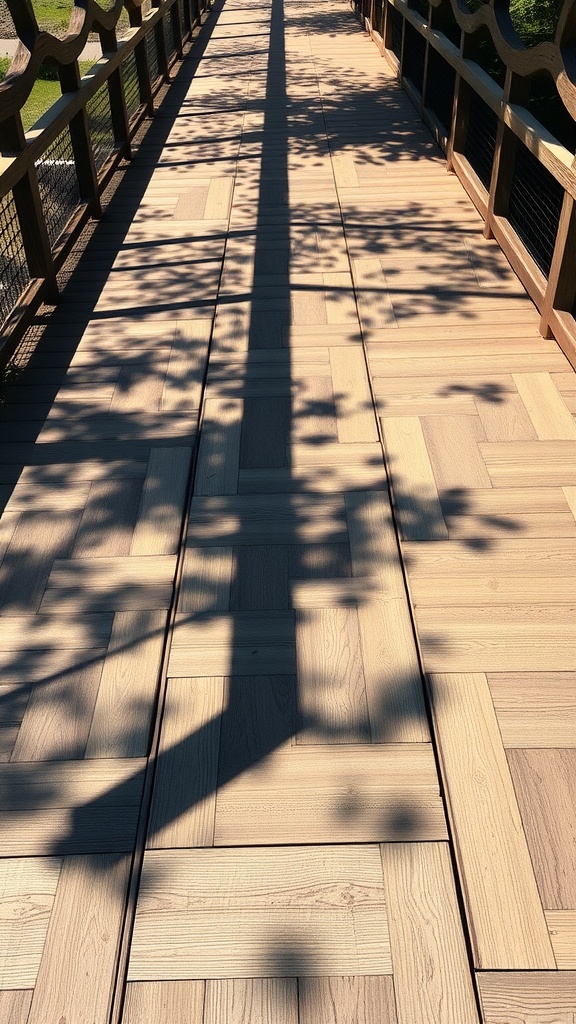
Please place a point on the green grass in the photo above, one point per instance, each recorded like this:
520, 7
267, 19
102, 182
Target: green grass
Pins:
43, 95
54, 15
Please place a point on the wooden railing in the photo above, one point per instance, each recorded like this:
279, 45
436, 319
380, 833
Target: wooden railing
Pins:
52, 177
485, 97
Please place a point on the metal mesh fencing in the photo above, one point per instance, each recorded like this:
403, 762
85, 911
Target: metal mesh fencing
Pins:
152, 51
481, 139
14, 274
440, 85
58, 184
535, 204
414, 57
131, 85
182, 10
421, 6
443, 19
396, 21
170, 35
100, 126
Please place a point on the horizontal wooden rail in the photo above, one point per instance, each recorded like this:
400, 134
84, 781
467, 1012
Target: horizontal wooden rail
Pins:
492, 140
52, 177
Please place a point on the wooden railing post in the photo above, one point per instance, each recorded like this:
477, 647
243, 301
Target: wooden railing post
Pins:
561, 287
30, 213
81, 144
142, 64
460, 119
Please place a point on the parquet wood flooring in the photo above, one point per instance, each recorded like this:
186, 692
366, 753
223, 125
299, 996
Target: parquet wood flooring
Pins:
294, 306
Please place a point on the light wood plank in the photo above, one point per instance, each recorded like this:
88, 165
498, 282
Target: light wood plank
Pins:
504, 418
431, 972
27, 892
244, 644
535, 709
219, 452
157, 529
37, 540
122, 715
109, 782
354, 408
452, 443
184, 801
57, 718
239, 913
77, 971
570, 495
44, 633
544, 784
60, 831
15, 1006
518, 557
252, 1001
185, 373
391, 668
107, 525
545, 997
546, 408
490, 590
562, 927
354, 1000
331, 686
173, 1002
505, 916
206, 579
531, 464
415, 491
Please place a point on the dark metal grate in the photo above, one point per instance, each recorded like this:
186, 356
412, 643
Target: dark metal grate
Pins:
14, 274
414, 56
58, 184
183, 25
481, 139
170, 35
443, 19
131, 85
421, 6
535, 204
100, 126
396, 21
440, 85
152, 52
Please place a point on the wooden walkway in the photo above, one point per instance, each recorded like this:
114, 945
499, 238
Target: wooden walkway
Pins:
229, 795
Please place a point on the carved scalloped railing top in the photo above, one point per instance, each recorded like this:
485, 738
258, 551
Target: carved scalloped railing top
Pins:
36, 46
556, 58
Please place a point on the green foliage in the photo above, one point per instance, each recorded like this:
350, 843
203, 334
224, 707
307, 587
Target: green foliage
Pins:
535, 20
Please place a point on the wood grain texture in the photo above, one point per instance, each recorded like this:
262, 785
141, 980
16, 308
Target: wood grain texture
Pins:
516, 997
177, 1002
184, 376
219, 449
431, 972
544, 784
27, 892
535, 709
76, 974
251, 1001
505, 915
184, 801
244, 644
260, 913
354, 409
15, 1005
546, 408
157, 529
452, 443
354, 1000
58, 715
562, 928
415, 491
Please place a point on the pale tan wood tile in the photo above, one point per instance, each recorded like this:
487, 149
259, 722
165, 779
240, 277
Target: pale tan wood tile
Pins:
27, 891
331, 686
343, 592
267, 519
15, 1006
345, 172
314, 479
415, 491
374, 303
544, 784
38, 539
505, 916
354, 408
27, 497
218, 645
531, 464
339, 793
518, 557
8, 522
139, 388
468, 367
219, 451
44, 632
307, 301
452, 443
562, 928
251, 1001
391, 668
535, 709
219, 198
108, 521
206, 579
8, 736
545, 997
570, 495
453, 405
546, 408
431, 971
56, 722
299, 336
260, 913
184, 801
157, 530
122, 715
185, 373
347, 1000
78, 964
164, 1002
505, 418
339, 298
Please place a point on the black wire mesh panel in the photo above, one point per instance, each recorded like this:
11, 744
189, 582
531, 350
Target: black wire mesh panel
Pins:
100, 126
480, 48
183, 25
170, 35
534, 208
481, 139
14, 274
414, 57
131, 85
58, 184
421, 6
548, 108
396, 21
443, 19
440, 85
152, 51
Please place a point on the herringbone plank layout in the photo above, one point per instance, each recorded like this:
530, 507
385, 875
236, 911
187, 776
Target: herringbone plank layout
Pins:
299, 308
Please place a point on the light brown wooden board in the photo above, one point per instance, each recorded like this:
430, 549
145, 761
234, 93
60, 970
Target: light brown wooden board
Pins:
354, 1000
164, 1002
251, 1001
27, 889
524, 997
562, 928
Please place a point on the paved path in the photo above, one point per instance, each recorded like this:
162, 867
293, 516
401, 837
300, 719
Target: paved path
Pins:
92, 51
289, 305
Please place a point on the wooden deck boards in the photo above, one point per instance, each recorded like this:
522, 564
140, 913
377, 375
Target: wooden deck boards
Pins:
293, 305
